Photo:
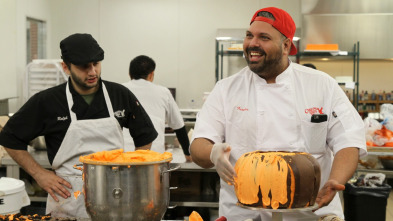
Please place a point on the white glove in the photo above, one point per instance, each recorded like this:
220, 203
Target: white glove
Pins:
220, 158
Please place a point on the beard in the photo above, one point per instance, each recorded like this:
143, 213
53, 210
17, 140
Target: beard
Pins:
81, 83
268, 66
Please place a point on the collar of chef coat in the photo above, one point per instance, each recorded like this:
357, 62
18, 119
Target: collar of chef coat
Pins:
281, 79
86, 111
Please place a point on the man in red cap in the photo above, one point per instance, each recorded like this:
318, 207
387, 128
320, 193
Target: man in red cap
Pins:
82, 116
274, 104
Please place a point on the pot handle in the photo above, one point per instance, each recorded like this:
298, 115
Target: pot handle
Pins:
172, 169
175, 187
173, 206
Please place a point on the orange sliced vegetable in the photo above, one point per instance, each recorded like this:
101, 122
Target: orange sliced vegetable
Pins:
195, 216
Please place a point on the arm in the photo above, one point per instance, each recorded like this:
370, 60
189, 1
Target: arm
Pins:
144, 147
46, 179
344, 166
200, 152
182, 136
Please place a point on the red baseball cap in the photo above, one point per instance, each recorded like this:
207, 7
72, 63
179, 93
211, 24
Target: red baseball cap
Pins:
283, 23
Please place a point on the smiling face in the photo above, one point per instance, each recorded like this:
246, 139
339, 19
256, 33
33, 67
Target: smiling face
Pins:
85, 77
266, 50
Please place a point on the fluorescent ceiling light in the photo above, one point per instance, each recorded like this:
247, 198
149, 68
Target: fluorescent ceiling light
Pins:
223, 38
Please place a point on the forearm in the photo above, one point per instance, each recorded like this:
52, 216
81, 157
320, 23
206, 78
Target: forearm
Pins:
26, 161
200, 152
182, 136
344, 165
145, 147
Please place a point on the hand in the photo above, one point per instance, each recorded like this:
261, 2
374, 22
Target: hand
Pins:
327, 193
52, 184
188, 158
220, 158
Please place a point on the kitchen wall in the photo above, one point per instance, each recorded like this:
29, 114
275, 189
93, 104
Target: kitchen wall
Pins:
374, 74
8, 49
178, 34
13, 15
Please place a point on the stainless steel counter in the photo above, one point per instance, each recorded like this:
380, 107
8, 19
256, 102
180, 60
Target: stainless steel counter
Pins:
41, 157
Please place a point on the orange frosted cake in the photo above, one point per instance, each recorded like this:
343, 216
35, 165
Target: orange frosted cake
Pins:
275, 180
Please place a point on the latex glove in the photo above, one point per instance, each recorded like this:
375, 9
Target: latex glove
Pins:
220, 158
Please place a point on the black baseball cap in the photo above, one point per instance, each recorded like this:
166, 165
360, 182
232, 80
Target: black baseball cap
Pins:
81, 49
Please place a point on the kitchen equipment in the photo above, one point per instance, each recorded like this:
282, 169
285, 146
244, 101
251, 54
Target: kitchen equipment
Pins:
38, 143
42, 74
387, 162
127, 191
13, 195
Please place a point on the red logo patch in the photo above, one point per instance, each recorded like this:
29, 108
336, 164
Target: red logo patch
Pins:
314, 110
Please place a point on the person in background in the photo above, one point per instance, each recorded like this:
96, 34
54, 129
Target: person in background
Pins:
310, 65
82, 116
158, 103
268, 106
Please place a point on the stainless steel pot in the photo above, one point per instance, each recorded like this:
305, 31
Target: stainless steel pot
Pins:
129, 192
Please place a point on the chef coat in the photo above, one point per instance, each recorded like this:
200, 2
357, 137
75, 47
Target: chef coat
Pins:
249, 114
47, 114
161, 108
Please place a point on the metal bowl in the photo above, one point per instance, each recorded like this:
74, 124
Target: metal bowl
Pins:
127, 192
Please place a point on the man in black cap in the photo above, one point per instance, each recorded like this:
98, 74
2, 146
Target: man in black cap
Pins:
82, 116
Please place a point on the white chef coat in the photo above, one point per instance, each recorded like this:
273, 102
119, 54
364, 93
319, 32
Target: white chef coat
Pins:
249, 114
159, 104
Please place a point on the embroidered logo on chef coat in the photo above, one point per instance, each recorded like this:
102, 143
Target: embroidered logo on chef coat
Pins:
314, 110
120, 113
62, 118
241, 109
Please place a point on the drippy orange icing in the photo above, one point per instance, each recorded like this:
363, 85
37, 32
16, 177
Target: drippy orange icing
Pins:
268, 174
119, 156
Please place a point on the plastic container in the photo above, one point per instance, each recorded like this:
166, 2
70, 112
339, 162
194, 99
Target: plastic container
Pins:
13, 196
365, 203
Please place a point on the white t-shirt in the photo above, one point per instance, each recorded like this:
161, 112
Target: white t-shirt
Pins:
162, 109
249, 114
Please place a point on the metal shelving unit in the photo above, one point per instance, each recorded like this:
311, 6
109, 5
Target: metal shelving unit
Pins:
228, 42
42, 74
223, 49
354, 54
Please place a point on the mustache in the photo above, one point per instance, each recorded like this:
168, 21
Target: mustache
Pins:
262, 52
